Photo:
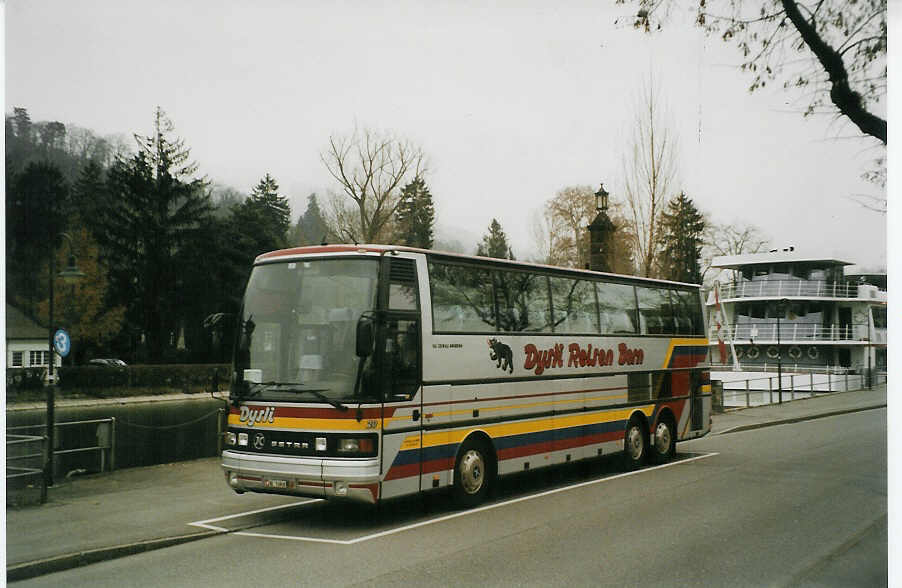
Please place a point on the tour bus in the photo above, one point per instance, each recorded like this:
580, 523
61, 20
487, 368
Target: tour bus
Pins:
366, 372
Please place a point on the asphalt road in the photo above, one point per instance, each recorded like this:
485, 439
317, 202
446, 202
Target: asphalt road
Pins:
792, 505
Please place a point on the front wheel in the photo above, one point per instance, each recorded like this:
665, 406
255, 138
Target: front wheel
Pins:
635, 444
473, 473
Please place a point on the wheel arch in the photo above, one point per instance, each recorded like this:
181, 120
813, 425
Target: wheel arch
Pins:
639, 416
666, 413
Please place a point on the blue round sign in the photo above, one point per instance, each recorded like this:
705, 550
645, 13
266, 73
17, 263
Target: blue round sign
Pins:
62, 343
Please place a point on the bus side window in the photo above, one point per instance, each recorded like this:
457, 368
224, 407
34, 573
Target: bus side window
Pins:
402, 285
639, 386
663, 386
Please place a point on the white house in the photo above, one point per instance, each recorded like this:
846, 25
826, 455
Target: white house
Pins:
26, 341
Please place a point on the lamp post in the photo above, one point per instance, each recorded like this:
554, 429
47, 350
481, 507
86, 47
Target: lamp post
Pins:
781, 309
70, 274
868, 350
600, 231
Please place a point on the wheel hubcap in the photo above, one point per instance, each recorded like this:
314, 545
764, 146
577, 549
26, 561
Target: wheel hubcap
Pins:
662, 438
634, 443
472, 470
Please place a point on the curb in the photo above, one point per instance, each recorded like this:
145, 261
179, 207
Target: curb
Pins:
799, 419
32, 569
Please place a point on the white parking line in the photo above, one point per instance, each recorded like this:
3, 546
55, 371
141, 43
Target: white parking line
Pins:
455, 515
203, 524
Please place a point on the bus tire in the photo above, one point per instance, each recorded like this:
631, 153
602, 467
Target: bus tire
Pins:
664, 446
635, 444
474, 472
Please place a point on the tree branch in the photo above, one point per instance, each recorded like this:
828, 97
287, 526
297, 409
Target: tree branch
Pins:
847, 100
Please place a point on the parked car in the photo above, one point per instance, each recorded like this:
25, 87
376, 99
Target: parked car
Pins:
113, 363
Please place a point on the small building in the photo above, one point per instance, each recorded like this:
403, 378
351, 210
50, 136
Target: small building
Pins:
26, 341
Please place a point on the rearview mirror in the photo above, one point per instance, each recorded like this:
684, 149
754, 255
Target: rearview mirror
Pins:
366, 336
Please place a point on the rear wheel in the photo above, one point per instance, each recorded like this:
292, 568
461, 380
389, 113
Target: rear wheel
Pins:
474, 472
635, 444
664, 447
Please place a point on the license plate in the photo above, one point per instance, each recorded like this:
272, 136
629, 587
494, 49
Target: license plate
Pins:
277, 483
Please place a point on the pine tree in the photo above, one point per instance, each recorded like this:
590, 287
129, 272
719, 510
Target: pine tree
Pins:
157, 210
415, 217
274, 209
680, 228
37, 204
495, 243
311, 228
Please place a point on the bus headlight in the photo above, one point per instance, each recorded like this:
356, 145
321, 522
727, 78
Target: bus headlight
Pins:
231, 438
356, 445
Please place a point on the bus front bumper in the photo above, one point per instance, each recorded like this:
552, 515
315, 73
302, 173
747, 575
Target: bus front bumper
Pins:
351, 479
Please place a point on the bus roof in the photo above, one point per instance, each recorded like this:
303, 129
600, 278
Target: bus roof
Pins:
380, 249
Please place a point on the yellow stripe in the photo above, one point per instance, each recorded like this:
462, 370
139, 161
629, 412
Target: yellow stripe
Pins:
678, 343
519, 428
467, 411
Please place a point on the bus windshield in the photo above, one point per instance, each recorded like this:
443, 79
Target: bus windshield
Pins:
296, 338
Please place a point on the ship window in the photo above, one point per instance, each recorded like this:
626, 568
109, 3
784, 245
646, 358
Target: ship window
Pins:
879, 318
781, 271
757, 311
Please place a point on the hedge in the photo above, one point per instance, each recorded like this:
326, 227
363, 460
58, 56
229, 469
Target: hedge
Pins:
30, 378
183, 377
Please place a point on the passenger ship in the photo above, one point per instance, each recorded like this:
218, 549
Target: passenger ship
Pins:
802, 315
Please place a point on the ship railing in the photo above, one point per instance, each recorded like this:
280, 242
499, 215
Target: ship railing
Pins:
799, 288
791, 331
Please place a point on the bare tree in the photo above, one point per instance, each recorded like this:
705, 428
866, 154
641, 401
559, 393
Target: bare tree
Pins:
729, 239
371, 168
835, 48
562, 235
649, 170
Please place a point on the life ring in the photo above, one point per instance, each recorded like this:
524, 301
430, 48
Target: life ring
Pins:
753, 353
813, 352
795, 352
739, 352
772, 352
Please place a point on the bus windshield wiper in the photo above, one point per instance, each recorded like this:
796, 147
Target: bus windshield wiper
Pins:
297, 387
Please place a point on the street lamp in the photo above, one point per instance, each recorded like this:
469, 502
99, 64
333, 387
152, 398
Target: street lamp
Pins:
601, 199
70, 274
781, 309
600, 231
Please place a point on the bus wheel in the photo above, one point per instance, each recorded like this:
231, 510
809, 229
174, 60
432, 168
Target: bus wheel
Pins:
473, 473
664, 447
635, 444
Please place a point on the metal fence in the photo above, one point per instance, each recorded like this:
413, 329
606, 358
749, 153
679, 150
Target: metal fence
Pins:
20, 442
25, 458
765, 390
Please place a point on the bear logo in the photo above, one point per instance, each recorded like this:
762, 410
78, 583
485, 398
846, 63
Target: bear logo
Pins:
502, 355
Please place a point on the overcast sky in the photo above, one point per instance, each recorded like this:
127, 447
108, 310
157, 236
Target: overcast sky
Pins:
511, 102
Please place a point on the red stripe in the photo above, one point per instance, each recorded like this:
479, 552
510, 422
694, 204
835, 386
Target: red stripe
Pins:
299, 412
546, 446
687, 361
413, 469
